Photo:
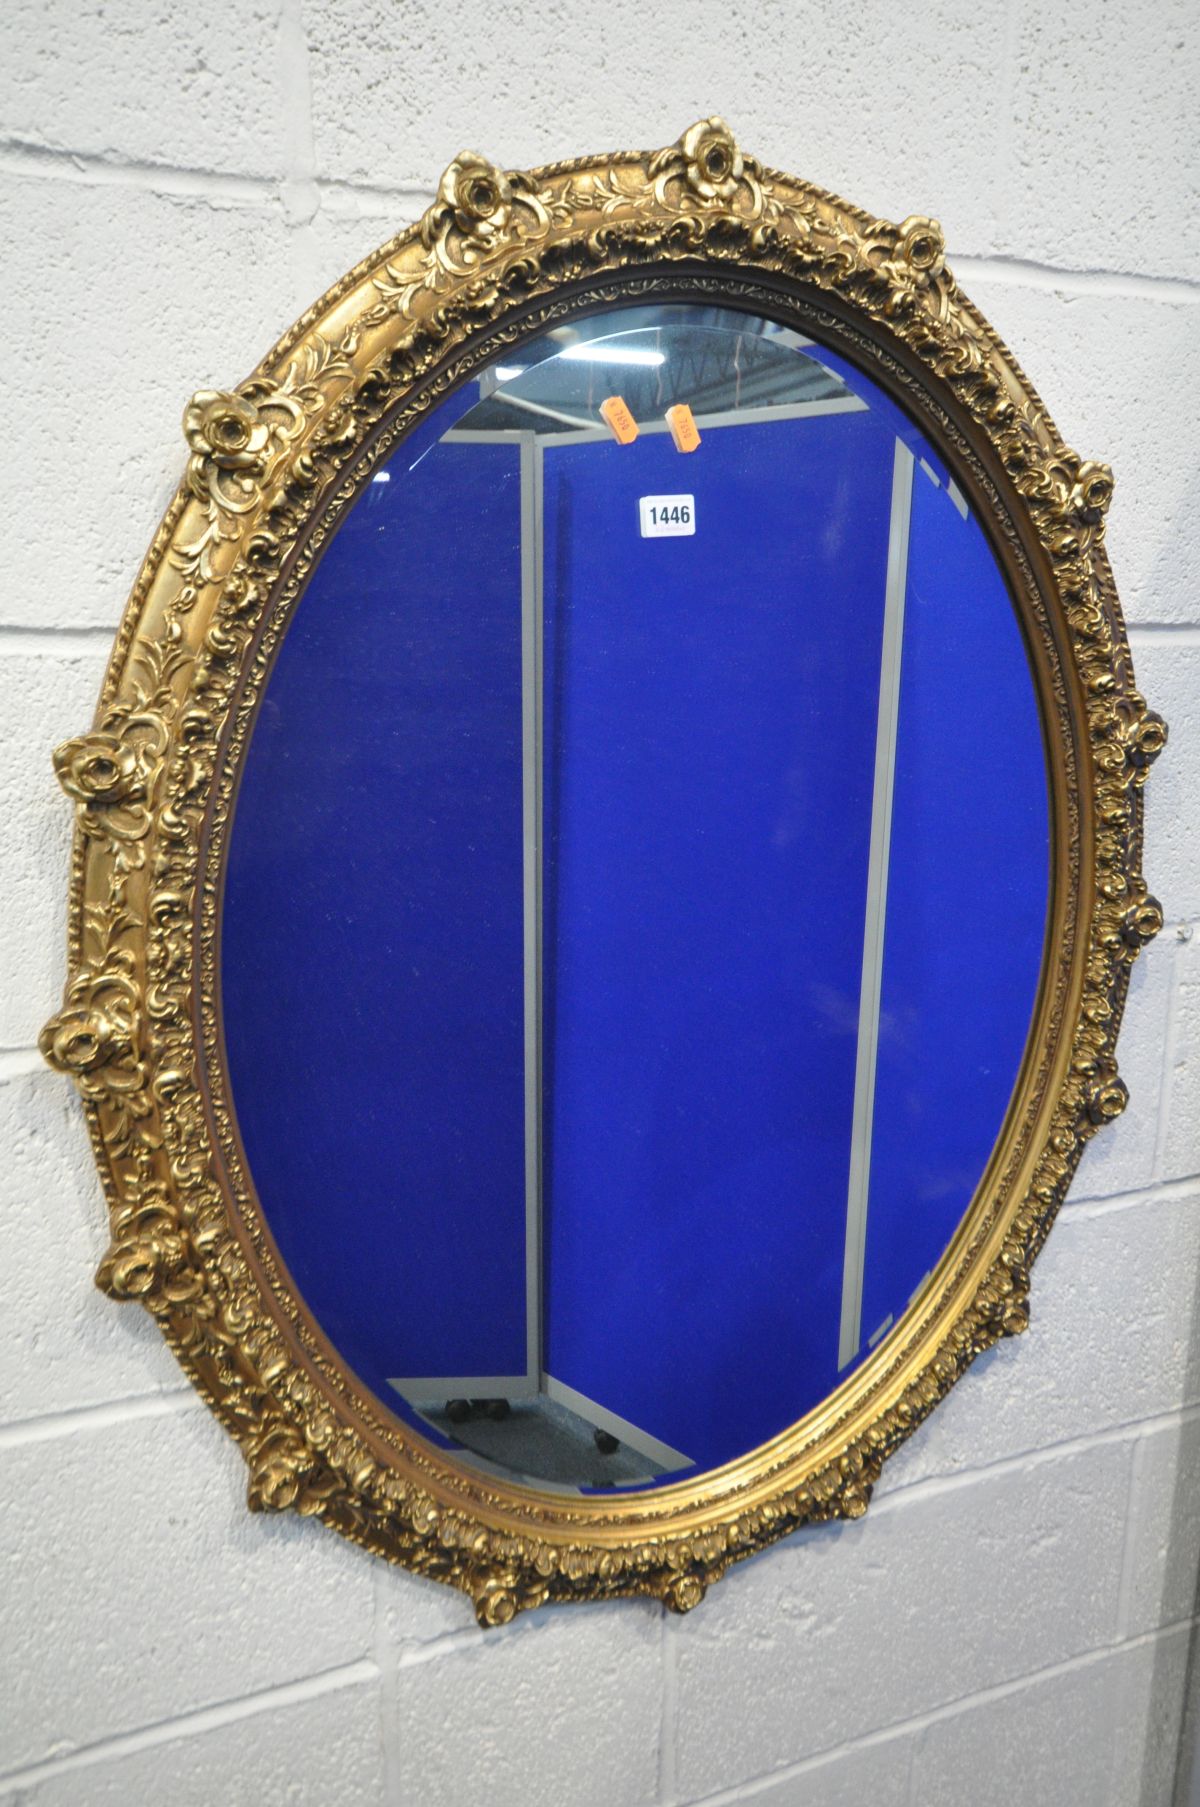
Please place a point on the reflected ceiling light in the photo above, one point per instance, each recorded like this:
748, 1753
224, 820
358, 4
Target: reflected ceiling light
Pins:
606, 351
504, 373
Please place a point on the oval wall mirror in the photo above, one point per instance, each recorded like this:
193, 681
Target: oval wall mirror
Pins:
607, 871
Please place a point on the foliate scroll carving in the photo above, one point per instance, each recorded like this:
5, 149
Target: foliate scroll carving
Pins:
110, 774
480, 212
920, 249
1107, 1093
272, 464
241, 443
282, 1470
1143, 919
1145, 737
477, 207
228, 438
93, 1038
912, 265
150, 1258
232, 443
707, 168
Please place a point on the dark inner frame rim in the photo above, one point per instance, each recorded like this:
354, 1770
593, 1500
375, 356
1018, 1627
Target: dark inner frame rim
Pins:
1023, 562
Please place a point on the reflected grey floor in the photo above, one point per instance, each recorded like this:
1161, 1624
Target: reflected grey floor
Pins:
543, 1441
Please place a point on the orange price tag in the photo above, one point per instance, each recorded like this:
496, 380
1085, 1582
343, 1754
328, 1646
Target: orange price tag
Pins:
684, 430
619, 421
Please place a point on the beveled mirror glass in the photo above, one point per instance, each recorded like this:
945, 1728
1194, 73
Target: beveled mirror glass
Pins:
607, 1026
608, 870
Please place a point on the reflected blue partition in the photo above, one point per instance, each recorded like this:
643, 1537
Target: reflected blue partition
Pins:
968, 888
710, 748
372, 927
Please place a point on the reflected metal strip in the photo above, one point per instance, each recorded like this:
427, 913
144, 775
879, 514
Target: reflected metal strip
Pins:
584, 435
532, 714
858, 1189
728, 417
620, 1428
436, 1389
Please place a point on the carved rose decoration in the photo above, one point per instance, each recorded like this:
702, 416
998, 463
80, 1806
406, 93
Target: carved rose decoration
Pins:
1093, 490
229, 440
706, 168
110, 775
225, 429
478, 194
96, 768
1142, 923
714, 162
1146, 742
92, 1037
79, 1040
149, 1255
922, 246
280, 1464
1108, 1099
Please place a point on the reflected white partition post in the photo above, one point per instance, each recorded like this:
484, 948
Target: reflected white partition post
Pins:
850, 1333
532, 737
533, 445
532, 451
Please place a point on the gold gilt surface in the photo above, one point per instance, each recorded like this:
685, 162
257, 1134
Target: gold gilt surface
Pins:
272, 465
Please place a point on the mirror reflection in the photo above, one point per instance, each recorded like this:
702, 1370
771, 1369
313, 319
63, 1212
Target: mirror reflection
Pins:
634, 907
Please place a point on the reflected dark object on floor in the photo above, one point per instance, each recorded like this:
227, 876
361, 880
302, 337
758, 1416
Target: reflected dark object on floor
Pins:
541, 1441
460, 1411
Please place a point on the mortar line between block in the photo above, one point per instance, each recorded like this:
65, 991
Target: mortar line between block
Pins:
1030, 272
1178, 1187
465, 1637
20, 1063
49, 1426
23, 156
388, 1670
1137, 1466
931, 1486
54, 642
668, 1764
91, 169
755, 1786
299, 193
192, 1724
1166, 1076
1152, 633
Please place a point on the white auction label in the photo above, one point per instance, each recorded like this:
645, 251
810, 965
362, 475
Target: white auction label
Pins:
667, 516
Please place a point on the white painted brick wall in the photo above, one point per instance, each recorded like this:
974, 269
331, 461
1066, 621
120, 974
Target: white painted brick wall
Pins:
1013, 1618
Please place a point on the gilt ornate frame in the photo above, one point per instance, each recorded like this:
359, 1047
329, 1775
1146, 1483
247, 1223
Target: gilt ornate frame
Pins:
273, 464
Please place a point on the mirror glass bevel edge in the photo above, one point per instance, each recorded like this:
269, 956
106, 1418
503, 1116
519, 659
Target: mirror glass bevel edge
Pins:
866, 1381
